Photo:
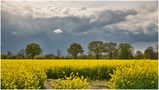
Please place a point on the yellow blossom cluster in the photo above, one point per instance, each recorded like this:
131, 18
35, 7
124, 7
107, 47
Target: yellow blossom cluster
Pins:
137, 75
31, 74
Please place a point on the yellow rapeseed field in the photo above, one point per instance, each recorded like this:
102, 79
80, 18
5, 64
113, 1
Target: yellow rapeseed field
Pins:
31, 74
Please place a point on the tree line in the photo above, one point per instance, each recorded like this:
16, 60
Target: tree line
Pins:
96, 50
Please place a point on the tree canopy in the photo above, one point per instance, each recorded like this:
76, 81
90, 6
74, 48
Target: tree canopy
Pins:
33, 49
96, 48
125, 51
75, 49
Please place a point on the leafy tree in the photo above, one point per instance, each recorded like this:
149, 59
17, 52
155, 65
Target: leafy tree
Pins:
111, 49
21, 53
75, 49
33, 49
125, 51
89, 55
139, 55
96, 48
155, 55
149, 53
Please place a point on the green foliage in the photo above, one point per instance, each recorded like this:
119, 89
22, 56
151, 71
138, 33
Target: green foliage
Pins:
33, 49
71, 82
139, 55
111, 49
94, 73
9, 55
4, 56
125, 51
50, 56
75, 49
149, 53
135, 76
39, 57
96, 48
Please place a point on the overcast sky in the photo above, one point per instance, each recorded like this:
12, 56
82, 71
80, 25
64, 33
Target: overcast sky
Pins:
56, 25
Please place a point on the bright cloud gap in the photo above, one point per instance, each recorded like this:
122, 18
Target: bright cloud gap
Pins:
58, 31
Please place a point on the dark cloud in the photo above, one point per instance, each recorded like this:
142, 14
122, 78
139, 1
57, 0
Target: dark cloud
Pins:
118, 34
152, 28
40, 30
69, 23
107, 17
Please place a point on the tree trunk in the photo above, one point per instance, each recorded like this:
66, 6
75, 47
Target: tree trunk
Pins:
32, 57
75, 56
22, 57
110, 55
97, 56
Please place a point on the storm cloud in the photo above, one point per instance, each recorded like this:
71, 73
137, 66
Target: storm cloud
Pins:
56, 27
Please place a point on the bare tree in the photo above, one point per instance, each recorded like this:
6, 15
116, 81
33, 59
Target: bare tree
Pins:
59, 52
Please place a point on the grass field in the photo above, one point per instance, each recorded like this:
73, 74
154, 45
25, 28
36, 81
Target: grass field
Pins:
32, 74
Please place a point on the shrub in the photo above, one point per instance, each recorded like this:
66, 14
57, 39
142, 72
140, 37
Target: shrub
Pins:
39, 57
94, 73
